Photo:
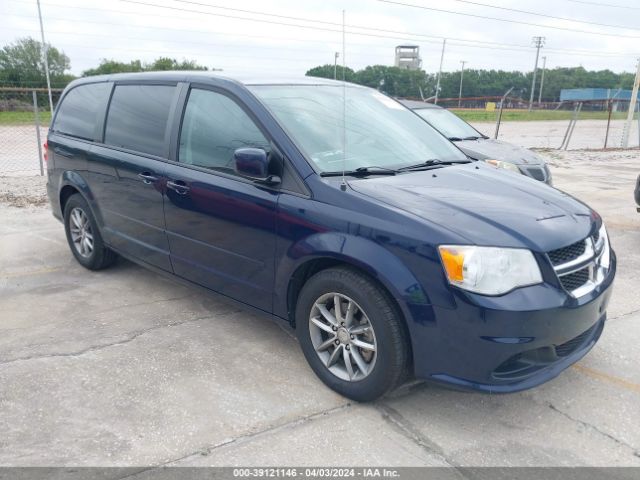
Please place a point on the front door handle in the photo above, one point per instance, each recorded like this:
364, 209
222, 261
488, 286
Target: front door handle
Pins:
178, 186
148, 177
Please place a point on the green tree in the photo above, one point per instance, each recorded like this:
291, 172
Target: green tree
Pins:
161, 63
164, 63
113, 66
327, 71
478, 83
21, 64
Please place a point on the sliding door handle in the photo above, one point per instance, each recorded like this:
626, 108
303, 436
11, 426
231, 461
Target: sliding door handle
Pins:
148, 177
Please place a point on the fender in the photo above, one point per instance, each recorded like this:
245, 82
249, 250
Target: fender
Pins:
74, 179
367, 256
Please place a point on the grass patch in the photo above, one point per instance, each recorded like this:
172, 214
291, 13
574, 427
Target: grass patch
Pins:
535, 115
24, 118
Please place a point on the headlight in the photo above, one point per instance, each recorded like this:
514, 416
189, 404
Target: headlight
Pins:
605, 259
489, 270
503, 165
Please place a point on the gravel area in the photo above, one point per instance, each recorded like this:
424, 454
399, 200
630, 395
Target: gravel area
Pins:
23, 191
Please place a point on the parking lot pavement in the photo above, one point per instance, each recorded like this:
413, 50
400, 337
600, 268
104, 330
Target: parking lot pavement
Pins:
123, 367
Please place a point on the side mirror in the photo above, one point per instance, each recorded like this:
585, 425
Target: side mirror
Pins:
253, 163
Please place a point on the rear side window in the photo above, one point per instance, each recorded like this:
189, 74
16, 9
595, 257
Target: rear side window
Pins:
214, 126
80, 108
138, 116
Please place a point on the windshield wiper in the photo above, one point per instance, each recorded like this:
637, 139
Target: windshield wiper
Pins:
361, 172
455, 139
434, 162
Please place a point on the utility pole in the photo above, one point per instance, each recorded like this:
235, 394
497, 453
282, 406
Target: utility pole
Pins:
544, 66
461, 76
632, 109
444, 44
335, 65
538, 42
45, 59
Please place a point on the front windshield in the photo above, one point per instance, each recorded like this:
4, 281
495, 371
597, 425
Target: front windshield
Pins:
379, 131
447, 123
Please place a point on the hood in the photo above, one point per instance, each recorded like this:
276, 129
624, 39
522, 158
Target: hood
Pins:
484, 148
486, 206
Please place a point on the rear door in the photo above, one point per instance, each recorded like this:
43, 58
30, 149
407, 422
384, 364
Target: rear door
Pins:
127, 170
221, 227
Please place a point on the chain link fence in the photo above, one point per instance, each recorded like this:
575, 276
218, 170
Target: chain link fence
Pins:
24, 121
25, 117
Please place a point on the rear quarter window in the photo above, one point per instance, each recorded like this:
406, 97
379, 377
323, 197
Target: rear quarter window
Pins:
79, 112
138, 117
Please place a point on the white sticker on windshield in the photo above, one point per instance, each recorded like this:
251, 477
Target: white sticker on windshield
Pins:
388, 102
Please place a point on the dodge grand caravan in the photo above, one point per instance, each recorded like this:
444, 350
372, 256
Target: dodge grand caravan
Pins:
336, 209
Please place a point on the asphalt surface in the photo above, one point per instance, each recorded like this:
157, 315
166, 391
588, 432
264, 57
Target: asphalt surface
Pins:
123, 367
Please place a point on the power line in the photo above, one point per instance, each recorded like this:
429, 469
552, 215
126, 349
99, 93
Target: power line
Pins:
437, 38
498, 45
580, 53
598, 4
503, 20
561, 52
544, 15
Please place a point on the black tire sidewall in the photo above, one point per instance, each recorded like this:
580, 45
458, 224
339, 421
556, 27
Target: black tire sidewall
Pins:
381, 314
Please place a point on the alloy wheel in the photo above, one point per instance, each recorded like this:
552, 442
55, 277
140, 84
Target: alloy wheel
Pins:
343, 337
81, 232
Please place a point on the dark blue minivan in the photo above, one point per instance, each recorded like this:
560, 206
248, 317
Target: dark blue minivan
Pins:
334, 208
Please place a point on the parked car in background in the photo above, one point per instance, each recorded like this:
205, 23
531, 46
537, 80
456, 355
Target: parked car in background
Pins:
390, 252
637, 193
500, 154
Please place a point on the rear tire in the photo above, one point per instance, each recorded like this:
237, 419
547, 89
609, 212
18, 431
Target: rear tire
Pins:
360, 348
83, 235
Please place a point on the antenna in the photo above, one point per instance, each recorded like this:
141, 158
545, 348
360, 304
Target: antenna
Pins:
343, 185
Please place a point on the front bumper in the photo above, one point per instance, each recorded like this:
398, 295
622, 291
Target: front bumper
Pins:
513, 342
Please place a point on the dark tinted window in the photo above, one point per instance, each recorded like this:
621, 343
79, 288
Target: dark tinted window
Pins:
78, 113
213, 127
138, 116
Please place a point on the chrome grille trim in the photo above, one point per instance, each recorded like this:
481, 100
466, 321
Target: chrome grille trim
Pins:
595, 247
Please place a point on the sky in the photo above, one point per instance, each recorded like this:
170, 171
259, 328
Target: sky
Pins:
298, 35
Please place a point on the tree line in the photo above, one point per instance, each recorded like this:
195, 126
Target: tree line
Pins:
21, 66
476, 83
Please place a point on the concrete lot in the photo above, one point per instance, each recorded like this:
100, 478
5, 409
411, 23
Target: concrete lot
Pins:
549, 134
123, 367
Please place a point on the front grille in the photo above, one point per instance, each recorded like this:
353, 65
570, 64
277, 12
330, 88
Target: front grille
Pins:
575, 280
567, 254
536, 173
572, 345
579, 266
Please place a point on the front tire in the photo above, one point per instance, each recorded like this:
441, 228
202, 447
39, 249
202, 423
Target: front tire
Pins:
351, 334
83, 235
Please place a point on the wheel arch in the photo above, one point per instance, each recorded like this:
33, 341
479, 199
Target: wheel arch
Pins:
366, 257
71, 183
